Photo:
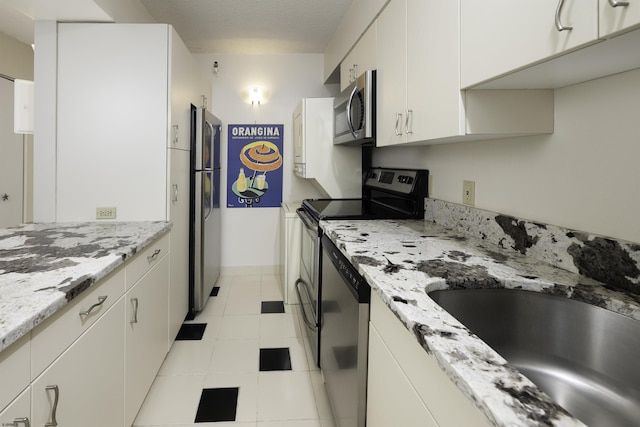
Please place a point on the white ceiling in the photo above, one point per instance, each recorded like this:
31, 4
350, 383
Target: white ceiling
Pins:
251, 26
206, 26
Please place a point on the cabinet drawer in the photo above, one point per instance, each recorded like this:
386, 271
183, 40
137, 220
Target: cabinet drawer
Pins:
142, 262
58, 332
20, 408
14, 370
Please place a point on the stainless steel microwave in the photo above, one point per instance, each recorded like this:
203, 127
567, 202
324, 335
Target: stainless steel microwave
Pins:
354, 112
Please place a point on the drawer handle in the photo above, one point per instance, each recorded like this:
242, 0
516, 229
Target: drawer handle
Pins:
16, 421
56, 394
134, 303
153, 256
559, 25
616, 3
101, 301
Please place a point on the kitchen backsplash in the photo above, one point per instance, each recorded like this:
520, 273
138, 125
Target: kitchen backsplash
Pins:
616, 263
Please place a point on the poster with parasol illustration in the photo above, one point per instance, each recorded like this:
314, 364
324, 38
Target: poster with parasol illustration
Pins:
254, 166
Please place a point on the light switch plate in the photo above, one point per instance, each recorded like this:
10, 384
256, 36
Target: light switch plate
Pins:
469, 193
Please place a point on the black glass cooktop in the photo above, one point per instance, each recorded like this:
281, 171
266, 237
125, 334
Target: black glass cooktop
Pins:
323, 209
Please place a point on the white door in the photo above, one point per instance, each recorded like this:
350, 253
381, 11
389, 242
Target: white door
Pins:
11, 161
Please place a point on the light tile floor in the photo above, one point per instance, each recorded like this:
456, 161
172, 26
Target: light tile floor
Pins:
228, 356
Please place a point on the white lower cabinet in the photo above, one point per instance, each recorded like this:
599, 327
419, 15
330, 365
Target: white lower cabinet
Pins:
83, 387
391, 399
99, 374
18, 413
405, 385
146, 335
14, 370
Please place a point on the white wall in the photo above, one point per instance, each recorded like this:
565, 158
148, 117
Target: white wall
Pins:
250, 237
585, 176
17, 58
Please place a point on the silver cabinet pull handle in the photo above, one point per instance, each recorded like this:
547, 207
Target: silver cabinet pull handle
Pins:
176, 132
398, 120
616, 3
56, 394
134, 303
175, 193
101, 301
559, 25
16, 421
153, 256
408, 122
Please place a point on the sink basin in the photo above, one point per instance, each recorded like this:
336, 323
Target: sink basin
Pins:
584, 357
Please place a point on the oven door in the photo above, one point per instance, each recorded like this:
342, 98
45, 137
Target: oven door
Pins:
307, 286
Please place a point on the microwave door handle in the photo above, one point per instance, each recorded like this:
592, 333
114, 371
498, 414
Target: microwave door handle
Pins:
349, 122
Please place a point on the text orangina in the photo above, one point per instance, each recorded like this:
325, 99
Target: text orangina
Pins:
250, 131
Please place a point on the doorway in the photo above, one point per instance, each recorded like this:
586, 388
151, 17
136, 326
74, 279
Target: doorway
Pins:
11, 161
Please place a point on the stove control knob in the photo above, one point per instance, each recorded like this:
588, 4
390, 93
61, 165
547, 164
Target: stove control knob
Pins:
409, 180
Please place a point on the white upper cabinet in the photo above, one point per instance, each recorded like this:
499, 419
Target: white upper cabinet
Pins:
500, 36
361, 58
517, 44
391, 75
181, 94
419, 100
617, 16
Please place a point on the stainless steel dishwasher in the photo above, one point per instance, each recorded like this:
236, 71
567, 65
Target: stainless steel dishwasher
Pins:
344, 331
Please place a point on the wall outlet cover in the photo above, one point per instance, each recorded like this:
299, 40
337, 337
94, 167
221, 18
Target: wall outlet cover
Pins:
469, 193
106, 213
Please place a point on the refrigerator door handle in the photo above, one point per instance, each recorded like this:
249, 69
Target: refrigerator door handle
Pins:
209, 209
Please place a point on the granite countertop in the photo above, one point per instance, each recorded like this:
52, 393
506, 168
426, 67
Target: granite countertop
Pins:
44, 266
404, 260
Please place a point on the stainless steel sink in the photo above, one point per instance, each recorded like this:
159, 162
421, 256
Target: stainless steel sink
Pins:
584, 357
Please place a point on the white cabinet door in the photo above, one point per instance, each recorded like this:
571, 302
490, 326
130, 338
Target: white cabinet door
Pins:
391, 399
18, 413
501, 36
620, 18
392, 74
179, 215
14, 369
181, 93
146, 335
434, 101
360, 59
89, 377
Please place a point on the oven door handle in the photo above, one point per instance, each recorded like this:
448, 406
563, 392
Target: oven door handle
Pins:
309, 324
306, 220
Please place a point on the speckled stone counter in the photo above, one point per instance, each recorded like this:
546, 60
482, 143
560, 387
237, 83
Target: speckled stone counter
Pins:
404, 260
44, 266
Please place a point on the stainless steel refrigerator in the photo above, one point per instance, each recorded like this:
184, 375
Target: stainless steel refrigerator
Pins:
205, 231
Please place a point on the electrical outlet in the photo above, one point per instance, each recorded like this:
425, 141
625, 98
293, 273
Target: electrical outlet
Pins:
106, 213
469, 193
